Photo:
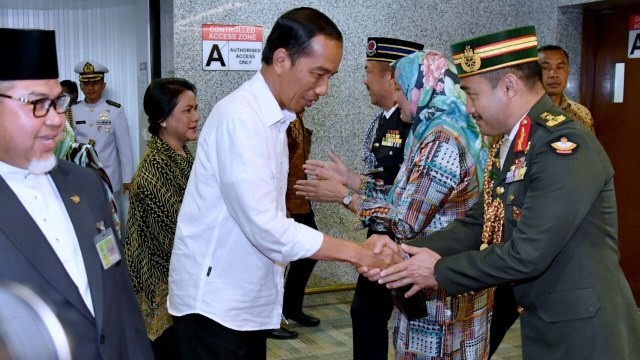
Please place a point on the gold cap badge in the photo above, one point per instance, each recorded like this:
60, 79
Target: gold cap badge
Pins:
470, 61
87, 68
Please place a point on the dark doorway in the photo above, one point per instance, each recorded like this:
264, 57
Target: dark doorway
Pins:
605, 43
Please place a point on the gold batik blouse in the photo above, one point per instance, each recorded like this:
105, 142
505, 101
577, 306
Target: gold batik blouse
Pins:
157, 191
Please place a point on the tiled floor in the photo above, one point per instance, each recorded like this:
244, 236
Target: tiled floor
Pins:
332, 339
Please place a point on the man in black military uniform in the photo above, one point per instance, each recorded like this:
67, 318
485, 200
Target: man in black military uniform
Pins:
382, 153
546, 228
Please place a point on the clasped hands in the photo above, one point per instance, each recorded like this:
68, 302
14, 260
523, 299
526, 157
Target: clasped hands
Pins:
409, 265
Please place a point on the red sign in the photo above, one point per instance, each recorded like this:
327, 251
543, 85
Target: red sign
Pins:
634, 22
216, 32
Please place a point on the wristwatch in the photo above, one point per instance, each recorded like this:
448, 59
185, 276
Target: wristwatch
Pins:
346, 200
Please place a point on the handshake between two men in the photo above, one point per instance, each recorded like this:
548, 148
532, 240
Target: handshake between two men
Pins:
400, 265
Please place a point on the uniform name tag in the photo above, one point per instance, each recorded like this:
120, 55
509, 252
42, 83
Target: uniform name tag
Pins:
81, 122
107, 248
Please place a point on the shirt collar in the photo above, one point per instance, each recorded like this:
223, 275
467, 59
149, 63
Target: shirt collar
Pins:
9, 170
514, 130
99, 102
267, 103
564, 102
387, 114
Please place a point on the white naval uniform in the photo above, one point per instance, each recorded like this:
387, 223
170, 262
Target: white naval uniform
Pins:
107, 125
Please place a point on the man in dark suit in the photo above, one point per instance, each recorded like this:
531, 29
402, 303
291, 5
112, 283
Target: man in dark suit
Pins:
56, 229
546, 230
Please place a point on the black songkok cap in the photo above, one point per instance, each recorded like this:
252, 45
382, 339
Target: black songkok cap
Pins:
29, 55
390, 50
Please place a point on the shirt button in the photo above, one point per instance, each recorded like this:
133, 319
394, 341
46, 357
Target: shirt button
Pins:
375, 145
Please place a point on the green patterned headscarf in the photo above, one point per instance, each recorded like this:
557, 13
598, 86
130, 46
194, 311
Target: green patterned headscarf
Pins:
431, 85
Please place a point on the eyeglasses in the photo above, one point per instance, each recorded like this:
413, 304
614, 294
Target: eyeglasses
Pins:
41, 106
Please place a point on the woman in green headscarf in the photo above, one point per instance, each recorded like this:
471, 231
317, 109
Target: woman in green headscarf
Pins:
440, 179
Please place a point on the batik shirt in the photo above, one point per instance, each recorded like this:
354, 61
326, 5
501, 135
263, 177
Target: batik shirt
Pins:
577, 111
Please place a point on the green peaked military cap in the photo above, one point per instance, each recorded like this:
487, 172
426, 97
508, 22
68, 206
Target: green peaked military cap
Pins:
495, 51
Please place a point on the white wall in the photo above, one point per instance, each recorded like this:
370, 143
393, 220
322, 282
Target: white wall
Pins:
108, 35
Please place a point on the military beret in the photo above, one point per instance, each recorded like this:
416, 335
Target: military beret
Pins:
90, 70
495, 51
28, 55
390, 50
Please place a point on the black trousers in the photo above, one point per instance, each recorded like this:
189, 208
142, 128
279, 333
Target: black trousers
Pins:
298, 275
371, 310
505, 313
165, 346
202, 338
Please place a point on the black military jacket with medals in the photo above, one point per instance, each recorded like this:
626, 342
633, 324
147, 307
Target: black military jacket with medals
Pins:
388, 146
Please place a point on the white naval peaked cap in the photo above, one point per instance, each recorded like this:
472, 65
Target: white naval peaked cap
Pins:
90, 70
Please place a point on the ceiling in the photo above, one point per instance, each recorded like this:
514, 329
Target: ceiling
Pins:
61, 4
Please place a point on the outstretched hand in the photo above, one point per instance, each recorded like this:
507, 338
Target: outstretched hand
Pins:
321, 190
417, 270
335, 169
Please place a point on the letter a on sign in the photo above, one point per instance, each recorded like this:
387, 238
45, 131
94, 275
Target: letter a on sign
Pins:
634, 36
215, 55
634, 45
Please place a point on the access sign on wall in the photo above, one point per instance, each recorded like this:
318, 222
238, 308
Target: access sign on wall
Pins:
634, 36
231, 47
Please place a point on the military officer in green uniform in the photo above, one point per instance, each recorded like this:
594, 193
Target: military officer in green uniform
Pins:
546, 228
103, 123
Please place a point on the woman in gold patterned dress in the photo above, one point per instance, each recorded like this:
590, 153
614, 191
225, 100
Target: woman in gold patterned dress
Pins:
156, 195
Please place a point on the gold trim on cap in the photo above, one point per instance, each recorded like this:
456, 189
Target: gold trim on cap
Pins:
503, 47
498, 66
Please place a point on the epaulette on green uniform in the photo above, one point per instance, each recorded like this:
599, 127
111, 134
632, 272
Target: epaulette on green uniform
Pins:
554, 119
113, 103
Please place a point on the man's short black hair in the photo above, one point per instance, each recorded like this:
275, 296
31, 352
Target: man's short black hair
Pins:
529, 73
554, 48
294, 30
70, 85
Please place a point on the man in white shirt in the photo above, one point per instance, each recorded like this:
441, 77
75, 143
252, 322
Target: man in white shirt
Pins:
233, 239
56, 229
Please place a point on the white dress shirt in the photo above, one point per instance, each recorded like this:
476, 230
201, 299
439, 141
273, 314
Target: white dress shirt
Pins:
233, 238
40, 197
506, 144
387, 114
